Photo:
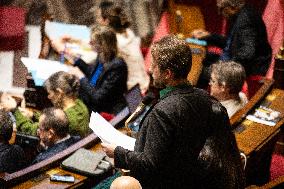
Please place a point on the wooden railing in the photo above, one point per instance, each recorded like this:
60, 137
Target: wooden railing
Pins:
259, 95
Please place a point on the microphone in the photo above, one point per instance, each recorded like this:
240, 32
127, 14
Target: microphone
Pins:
148, 99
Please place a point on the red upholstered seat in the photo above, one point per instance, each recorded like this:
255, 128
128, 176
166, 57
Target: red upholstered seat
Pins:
12, 28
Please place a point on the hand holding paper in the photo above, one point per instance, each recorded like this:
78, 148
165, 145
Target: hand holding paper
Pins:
108, 134
109, 149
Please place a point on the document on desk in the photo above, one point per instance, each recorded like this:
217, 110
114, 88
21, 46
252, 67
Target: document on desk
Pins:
41, 69
108, 134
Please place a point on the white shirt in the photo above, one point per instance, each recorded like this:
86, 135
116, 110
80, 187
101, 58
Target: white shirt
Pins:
233, 105
129, 49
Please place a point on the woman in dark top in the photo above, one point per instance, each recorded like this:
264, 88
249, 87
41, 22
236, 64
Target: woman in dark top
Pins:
103, 82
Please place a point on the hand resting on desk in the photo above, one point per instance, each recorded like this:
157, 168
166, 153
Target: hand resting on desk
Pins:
199, 33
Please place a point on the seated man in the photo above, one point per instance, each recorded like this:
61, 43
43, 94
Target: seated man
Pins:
54, 133
227, 79
12, 157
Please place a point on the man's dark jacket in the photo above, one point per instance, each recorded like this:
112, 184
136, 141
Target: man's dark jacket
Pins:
172, 147
56, 148
108, 93
249, 44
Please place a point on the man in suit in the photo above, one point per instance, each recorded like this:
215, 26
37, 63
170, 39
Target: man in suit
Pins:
177, 146
53, 133
246, 41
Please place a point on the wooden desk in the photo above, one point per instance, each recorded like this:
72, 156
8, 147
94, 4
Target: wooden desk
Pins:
42, 180
257, 141
259, 133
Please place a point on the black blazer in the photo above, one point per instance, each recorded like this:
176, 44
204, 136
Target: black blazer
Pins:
171, 148
107, 95
249, 45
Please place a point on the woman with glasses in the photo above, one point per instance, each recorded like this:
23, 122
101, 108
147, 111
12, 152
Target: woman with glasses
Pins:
226, 81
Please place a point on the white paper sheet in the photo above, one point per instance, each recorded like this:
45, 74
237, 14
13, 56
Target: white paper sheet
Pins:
41, 69
108, 134
55, 30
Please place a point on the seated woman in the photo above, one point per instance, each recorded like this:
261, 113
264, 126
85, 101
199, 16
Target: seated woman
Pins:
62, 90
12, 157
128, 44
102, 83
227, 79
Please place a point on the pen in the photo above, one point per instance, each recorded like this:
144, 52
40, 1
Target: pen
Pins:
106, 162
62, 58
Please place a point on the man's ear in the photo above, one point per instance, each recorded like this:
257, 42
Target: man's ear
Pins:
58, 90
223, 87
106, 21
168, 74
51, 134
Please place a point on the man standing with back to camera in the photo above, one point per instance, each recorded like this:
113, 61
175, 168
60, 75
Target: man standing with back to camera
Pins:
171, 150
